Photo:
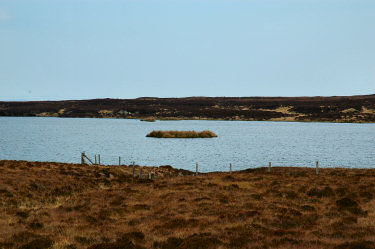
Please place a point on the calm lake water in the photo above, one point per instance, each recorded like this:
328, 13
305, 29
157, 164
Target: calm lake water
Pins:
244, 144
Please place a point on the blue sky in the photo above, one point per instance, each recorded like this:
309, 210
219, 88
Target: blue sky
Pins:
79, 49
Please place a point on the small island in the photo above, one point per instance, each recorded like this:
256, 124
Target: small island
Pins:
150, 119
181, 134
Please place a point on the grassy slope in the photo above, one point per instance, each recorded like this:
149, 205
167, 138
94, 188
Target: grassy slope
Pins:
73, 206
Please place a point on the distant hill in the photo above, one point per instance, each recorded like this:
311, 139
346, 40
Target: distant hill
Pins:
326, 109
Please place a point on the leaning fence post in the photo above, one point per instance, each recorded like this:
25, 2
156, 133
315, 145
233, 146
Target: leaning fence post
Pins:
133, 170
269, 167
82, 158
317, 168
230, 168
196, 169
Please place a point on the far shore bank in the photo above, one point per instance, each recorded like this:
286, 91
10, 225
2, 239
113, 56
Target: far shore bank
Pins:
340, 109
208, 119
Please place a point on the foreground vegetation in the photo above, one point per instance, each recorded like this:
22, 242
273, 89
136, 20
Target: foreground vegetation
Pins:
306, 109
54, 205
181, 134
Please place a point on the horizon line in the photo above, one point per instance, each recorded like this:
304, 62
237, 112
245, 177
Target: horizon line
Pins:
186, 97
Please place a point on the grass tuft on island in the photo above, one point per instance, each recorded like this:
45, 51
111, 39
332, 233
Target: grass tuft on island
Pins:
148, 119
181, 134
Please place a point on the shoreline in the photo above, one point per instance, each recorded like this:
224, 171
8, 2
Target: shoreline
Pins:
187, 119
189, 172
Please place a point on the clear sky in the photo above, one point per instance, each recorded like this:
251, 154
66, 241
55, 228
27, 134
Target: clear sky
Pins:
79, 49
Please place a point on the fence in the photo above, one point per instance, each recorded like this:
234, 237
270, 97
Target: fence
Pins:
150, 176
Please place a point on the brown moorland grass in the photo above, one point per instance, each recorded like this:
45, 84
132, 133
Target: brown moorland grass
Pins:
181, 134
56, 205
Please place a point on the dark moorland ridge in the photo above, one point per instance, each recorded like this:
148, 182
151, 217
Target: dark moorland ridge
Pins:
326, 109
71, 206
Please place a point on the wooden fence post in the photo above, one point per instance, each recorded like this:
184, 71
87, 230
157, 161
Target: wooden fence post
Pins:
82, 158
99, 158
196, 169
140, 174
133, 170
95, 159
149, 175
317, 168
230, 168
119, 161
269, 167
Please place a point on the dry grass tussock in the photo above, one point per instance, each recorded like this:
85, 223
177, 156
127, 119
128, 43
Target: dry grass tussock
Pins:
67, 206
182, 134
